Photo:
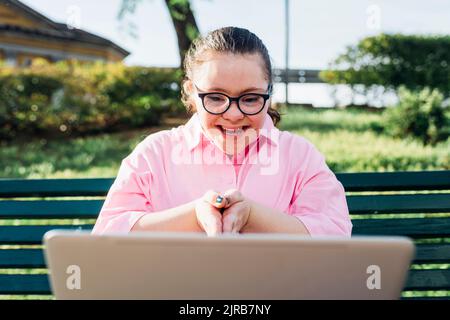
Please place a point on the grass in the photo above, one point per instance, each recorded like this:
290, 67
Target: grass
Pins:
26, 297
91, 156
350, 140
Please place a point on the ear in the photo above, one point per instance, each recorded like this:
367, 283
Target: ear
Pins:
269, 103
188, 87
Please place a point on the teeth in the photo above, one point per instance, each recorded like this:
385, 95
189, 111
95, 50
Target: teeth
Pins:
233, 132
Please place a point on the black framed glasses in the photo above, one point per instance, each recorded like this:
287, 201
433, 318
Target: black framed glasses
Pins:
249, 103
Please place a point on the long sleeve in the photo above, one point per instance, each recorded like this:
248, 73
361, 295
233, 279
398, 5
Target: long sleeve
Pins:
319, 198
128, 198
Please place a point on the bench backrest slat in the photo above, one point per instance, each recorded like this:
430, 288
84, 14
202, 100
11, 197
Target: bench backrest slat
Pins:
39, 284
24, 284
54, 187
25, 235
428, 280
412, 227
22, 258
395, 181
367, 181
34, 258
358, 204
50, 209
408, 203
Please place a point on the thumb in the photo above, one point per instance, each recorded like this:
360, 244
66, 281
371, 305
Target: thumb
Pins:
213, 226
215, 199
232, 196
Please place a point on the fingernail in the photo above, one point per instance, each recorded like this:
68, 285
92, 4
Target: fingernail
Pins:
219, 199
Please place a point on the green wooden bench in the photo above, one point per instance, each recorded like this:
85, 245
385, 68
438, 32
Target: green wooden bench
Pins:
414, 204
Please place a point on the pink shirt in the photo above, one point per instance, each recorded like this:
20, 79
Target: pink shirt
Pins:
279, 170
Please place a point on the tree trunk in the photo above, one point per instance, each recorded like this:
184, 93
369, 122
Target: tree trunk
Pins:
184, 23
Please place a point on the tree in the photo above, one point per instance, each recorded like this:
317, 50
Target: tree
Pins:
388, 61
183, 20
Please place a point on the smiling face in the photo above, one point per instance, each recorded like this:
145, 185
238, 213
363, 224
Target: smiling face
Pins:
233, 75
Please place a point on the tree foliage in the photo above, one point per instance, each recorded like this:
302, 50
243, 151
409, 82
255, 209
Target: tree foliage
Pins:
394, 60
182, 17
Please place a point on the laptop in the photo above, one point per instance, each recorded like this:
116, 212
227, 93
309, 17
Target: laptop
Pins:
193, 266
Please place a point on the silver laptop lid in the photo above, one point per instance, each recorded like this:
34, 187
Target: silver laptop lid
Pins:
251, 266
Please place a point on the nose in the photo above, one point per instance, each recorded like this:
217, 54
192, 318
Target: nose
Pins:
233, 113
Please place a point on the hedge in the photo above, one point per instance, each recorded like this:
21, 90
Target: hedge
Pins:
68, 98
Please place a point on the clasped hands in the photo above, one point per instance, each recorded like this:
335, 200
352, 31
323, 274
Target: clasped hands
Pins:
226, 213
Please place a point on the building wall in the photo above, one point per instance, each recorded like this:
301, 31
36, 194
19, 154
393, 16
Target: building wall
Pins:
20, 50
26, 59
12, 18
59, 49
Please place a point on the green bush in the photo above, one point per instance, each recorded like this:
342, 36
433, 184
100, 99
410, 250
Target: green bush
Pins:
72, 98
420, 115
394, 60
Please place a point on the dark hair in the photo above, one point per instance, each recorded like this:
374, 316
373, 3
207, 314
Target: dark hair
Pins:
226, 40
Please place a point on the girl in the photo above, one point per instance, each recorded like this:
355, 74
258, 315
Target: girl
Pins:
228, 169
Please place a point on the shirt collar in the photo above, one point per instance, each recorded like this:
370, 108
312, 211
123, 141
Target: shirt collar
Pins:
269, 131
194, 131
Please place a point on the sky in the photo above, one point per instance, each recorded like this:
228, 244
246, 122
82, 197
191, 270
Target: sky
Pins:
319, 29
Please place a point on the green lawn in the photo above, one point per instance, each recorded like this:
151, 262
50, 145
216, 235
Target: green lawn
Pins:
350, 140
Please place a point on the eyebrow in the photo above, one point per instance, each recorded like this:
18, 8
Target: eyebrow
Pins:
252, 89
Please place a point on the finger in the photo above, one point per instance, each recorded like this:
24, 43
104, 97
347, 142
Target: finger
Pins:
213, 221
234, 227
214, 228
232, 196
229, 223
215, 199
